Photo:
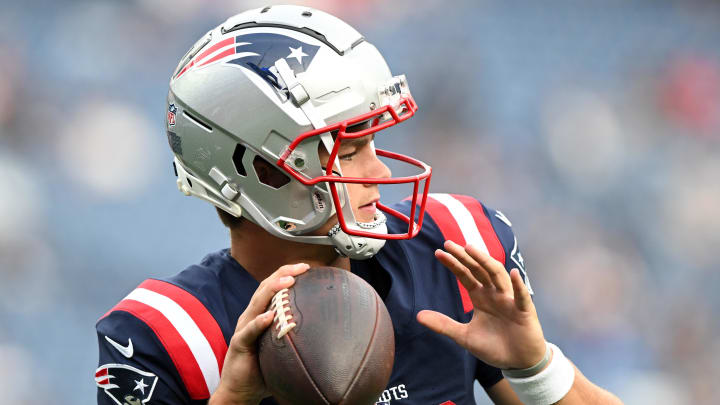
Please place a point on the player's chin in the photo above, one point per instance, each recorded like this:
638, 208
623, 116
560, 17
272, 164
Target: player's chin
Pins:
364, 218
366, 213
359, 217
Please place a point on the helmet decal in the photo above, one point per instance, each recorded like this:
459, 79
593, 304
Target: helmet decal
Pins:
257, 52
172, 110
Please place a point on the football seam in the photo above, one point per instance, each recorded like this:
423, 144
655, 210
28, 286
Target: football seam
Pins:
365, 355
304, 370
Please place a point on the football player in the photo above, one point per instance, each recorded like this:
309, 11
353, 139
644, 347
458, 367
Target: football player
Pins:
272, 117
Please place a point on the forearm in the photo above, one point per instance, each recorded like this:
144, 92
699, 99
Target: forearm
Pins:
226, 397
559, 382
583, 391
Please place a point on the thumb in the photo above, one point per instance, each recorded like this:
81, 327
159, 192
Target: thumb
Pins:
443, 324
248, 335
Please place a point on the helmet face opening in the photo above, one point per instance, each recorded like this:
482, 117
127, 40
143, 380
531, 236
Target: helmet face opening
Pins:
378, 119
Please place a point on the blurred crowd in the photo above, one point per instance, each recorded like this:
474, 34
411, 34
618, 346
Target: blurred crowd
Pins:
594, 126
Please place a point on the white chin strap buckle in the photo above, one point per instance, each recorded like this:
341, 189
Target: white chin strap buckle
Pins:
359, 247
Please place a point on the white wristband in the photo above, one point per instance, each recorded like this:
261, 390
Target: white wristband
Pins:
549, 385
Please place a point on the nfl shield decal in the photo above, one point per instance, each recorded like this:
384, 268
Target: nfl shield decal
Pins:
172, 110
126, 385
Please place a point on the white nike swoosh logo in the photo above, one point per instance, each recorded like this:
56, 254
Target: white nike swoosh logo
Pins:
126, 351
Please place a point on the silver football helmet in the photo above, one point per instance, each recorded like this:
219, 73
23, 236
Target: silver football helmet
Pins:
253, 100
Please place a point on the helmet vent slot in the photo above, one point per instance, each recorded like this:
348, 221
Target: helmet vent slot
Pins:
237, 159
269, 174
358, 42
192, 52
197, 122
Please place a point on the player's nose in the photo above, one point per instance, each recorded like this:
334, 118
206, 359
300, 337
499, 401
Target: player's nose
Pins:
376, 169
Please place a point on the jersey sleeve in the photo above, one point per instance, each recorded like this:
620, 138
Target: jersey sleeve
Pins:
159, 345
465, 220
133, 367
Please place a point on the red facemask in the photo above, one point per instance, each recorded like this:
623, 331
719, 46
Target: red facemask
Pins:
381, 118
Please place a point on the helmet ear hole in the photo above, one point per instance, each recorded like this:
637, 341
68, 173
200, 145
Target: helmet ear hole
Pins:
268, 174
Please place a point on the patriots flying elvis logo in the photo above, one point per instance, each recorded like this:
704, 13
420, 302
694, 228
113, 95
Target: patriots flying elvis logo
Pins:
257, 52
126, 385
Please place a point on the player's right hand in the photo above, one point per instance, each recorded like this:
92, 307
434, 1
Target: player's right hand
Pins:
241, 381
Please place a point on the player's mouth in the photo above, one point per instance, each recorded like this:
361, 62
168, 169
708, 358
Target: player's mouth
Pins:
369, 208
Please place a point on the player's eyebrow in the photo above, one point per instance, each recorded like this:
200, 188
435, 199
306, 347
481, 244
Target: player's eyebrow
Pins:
358, 142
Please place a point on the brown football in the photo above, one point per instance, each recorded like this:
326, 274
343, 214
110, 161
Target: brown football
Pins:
331, 342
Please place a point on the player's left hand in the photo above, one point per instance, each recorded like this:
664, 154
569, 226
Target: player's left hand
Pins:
504, 330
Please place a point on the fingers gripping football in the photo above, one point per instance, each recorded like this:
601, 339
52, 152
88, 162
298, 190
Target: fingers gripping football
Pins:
241, 380
283, 277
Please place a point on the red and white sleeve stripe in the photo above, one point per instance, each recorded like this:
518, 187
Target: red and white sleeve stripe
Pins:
462, 220
187, 330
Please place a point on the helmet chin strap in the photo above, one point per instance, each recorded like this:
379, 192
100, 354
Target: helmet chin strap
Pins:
359, 247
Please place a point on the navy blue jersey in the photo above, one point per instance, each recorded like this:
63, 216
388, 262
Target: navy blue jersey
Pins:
165, 343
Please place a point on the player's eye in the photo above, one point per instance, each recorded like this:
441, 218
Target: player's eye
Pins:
348, 156
324, 168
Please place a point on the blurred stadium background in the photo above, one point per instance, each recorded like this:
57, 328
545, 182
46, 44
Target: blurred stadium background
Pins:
594, 126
